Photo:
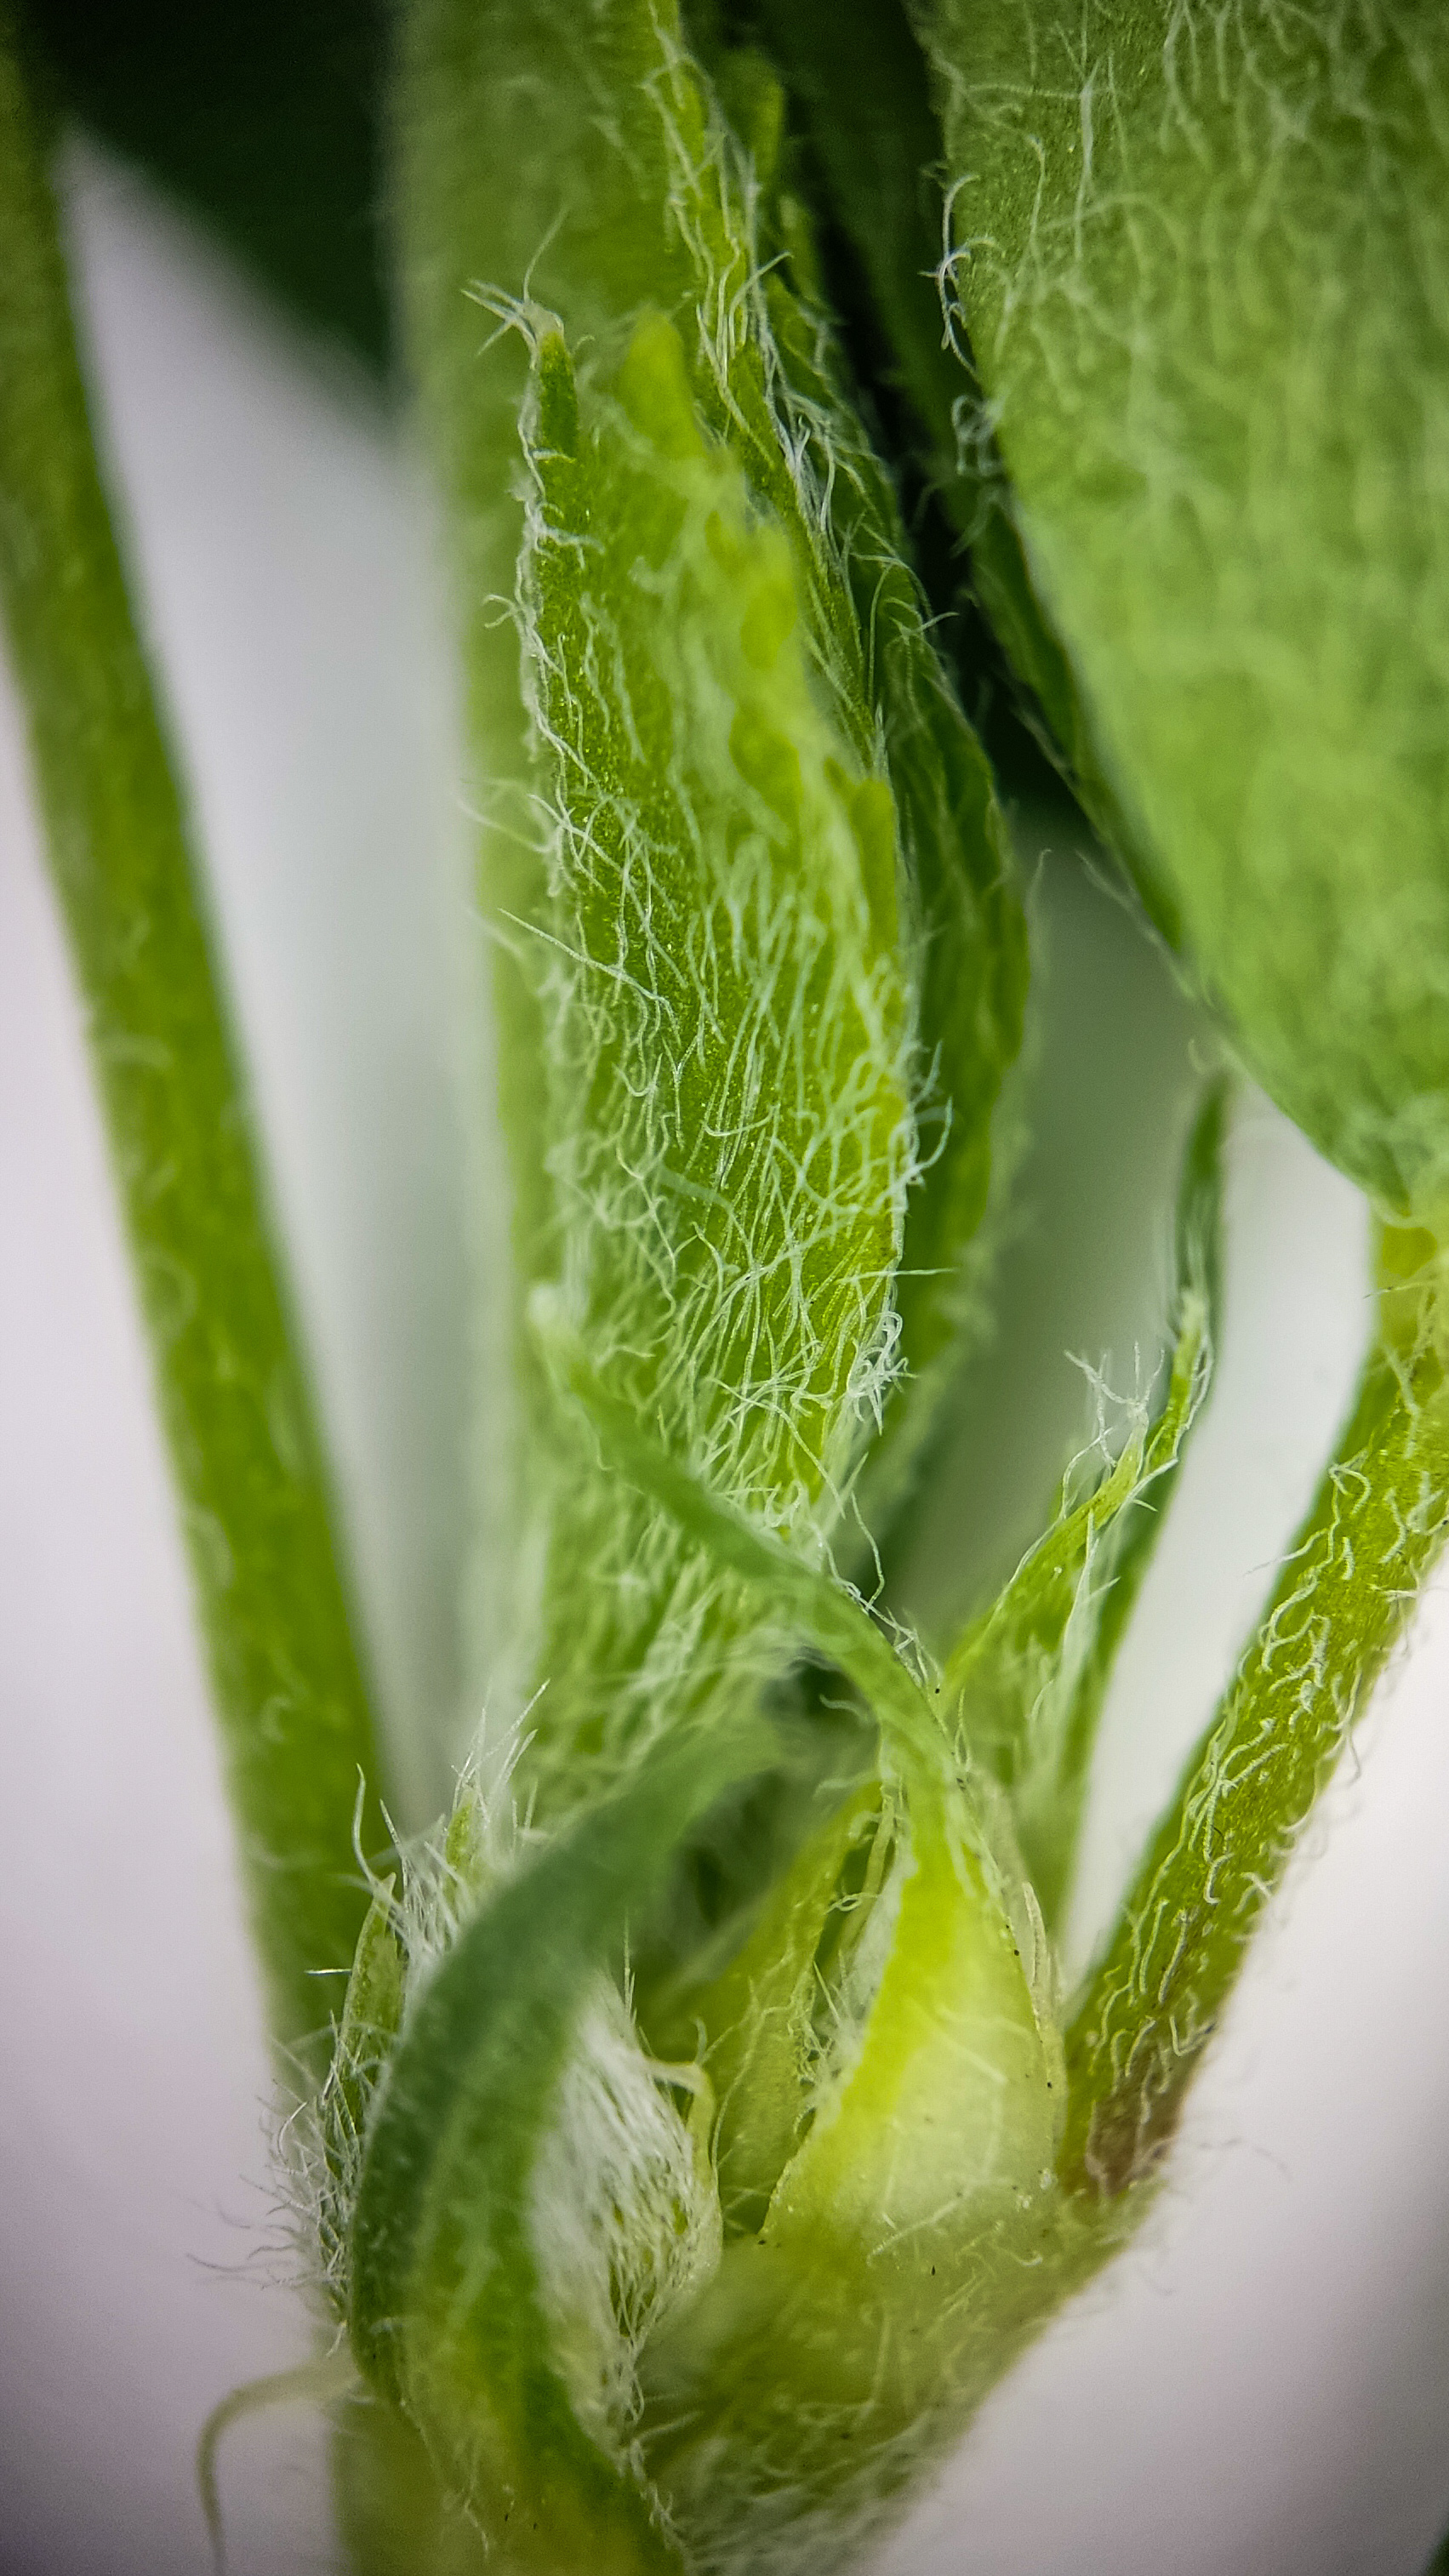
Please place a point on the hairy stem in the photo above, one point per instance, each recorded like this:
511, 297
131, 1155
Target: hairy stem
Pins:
1341, 1602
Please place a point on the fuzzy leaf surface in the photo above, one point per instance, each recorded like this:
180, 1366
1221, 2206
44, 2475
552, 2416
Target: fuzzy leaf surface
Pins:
446, 2307
629, 206
1202, 258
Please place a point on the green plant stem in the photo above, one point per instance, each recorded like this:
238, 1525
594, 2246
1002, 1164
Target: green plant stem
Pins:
293, 1706
1340, 1603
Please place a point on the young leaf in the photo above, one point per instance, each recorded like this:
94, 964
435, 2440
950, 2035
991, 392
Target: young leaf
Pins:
447, 2310
970, 948
897, 2266
724, 1007
629, 215
860, 77
861, 80
1029, 1677
885, 2172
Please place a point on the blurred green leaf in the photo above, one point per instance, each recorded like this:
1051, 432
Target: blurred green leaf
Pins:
265, 118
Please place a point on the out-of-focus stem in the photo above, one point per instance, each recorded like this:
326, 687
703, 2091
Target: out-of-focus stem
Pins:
296, 1725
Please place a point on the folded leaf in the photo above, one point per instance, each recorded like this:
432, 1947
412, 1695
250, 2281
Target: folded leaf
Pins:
725, 1013
762, 940
447, 2304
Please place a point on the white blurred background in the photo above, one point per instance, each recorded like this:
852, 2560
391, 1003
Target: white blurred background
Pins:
1262, 2383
